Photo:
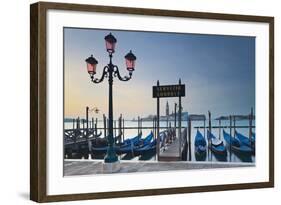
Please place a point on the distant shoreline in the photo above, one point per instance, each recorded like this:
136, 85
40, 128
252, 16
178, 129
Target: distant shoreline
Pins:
149, 118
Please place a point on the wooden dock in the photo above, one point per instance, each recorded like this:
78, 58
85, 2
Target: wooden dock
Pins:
171, 152
175, 150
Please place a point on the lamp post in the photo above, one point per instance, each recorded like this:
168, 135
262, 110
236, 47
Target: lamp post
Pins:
110, 71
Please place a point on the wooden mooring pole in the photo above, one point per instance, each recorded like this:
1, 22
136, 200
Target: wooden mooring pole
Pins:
230, 125
210, 131
250, 127
138, 125
230, 133
175, 125
78, 123
158, 113
87, 120
189, 139
87, 136
179, 131
234, 124
141, 125
120, 125
153, 128
205, 128
104, 125
123, 133
96, 126
115, 129
219, 129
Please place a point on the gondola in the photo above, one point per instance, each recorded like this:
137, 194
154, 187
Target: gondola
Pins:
200, 144
121, 148
245, 140
130, 148
216, 145
149, 148
130, 155
236, 145
98, 150
135, 140
147, 139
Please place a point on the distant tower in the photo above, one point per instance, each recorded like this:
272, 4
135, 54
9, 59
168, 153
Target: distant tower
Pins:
167, 109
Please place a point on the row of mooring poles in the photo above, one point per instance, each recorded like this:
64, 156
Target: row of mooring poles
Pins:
86, 124
120, 126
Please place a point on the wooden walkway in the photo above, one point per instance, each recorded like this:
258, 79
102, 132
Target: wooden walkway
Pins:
171, 152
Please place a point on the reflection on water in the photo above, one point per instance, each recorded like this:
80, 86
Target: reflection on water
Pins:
208, 156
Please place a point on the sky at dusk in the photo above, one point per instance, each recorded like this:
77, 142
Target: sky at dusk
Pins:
218, 71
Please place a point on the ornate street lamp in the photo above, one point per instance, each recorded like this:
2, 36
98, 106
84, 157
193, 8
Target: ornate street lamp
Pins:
91, 65
110, 42
110, 71
130, 62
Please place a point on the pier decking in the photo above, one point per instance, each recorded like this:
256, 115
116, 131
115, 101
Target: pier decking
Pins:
171, 152
174, 150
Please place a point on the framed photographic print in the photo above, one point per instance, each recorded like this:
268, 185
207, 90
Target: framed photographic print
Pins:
136, 102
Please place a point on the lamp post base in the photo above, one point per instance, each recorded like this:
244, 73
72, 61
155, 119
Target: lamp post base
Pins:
111, 156
112, 167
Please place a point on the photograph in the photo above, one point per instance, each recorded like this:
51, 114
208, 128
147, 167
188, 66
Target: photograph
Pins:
147, 101
129, 101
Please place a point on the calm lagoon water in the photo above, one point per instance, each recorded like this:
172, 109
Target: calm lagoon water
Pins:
129, 133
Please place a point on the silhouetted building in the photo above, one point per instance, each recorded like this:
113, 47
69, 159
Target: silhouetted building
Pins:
167, 109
